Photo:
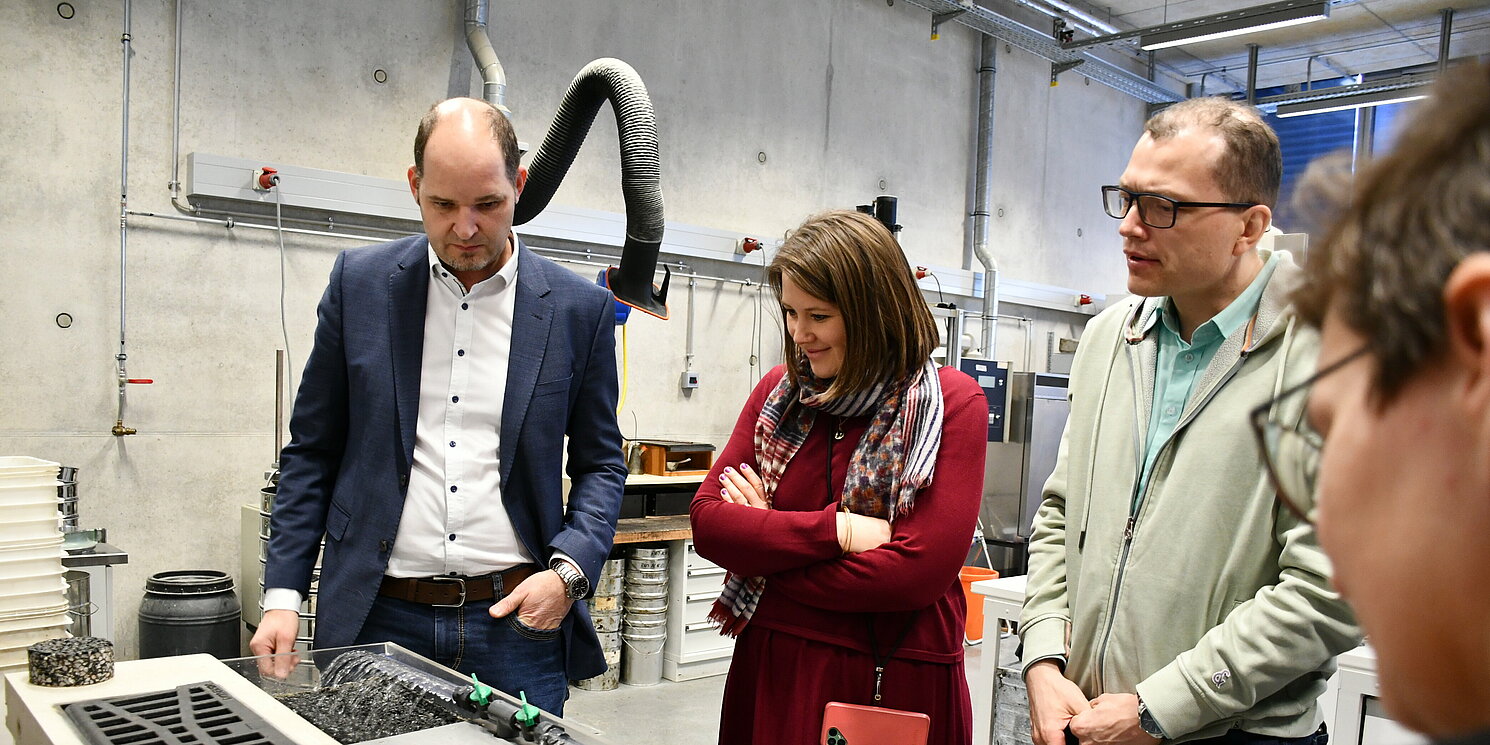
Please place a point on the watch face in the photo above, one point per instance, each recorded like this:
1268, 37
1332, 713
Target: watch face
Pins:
579, 588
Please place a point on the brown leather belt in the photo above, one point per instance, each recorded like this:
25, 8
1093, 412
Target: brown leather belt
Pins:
453, 592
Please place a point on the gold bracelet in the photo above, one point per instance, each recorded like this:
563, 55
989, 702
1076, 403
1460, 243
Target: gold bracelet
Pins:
848, 530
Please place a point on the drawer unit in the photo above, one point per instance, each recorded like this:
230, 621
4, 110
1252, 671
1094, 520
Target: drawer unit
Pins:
694, 647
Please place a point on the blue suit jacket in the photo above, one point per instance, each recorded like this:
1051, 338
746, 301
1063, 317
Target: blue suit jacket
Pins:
346, 468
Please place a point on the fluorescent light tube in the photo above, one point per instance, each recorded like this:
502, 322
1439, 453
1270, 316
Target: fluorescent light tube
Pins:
1357, 101
1261, 18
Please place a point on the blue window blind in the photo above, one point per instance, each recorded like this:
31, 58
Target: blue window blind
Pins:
1303, 139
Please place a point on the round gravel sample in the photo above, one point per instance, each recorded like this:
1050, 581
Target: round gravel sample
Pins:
71, 662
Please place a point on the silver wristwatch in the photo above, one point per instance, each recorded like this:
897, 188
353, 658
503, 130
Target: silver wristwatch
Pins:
1147, 723
576, 585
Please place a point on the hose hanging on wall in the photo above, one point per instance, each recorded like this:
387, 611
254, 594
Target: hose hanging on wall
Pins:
641, 173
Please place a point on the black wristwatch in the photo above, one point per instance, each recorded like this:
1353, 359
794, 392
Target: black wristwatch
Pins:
1147, 723
576, 585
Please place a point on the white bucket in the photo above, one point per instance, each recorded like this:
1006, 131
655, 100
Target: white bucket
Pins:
13, 627
27, 583
13, 645
30, 531
12, 493
28, 562
25, 470
12, 603
49, 547
11, 512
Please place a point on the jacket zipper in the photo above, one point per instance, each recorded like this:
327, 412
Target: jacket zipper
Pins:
1137, 504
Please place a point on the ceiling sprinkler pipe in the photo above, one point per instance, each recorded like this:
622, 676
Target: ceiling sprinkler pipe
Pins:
641, 173
493, 78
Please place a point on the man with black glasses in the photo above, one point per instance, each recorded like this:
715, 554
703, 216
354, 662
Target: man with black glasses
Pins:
1401, 411
1170, 595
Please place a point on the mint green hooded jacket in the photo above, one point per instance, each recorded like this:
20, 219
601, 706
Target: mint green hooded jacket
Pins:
1210, 600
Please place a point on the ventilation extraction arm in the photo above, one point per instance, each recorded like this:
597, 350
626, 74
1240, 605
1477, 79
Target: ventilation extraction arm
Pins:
641, 173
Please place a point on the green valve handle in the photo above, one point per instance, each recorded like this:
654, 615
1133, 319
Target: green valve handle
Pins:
527, 716
480, 692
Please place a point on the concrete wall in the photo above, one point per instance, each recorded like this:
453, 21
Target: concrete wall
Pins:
840, 95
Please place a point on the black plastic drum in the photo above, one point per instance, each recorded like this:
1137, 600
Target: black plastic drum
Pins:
189, 612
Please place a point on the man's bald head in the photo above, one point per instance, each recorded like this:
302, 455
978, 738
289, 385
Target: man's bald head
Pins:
468, 113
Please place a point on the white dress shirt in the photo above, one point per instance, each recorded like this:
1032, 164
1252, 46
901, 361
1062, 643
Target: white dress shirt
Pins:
453, 519
454, 522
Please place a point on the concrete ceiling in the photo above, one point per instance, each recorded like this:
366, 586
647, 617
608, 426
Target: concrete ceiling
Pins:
1359, 37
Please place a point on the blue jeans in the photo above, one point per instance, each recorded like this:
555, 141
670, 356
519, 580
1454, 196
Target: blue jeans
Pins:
1238, 737
502, 652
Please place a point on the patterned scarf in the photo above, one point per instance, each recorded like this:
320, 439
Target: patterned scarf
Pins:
895, 459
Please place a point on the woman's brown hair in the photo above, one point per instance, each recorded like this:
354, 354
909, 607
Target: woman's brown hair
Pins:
851, 260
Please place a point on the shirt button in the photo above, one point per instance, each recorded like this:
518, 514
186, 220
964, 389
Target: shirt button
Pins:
465, 306
460, 353
452, 536
455, 399
453, 488
452, 443
403, 480
1167, 412
1189, 358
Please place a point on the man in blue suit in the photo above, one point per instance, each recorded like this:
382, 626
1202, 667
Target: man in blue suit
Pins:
429, 430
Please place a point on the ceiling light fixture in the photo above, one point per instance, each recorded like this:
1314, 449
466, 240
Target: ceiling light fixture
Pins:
1220, 25
1234, 23
1354, 101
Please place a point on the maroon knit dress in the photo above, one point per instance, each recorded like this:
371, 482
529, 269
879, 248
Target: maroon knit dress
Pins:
808, 641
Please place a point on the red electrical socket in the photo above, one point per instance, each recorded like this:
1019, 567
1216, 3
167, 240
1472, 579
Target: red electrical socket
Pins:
922, 272
747, 245
264, 178
1083, 299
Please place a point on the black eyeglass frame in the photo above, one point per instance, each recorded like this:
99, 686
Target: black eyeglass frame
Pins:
1261, 419
1133, 201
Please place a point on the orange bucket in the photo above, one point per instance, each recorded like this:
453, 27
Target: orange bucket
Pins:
968, 576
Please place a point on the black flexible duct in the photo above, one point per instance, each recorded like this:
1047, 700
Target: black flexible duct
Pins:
641, 173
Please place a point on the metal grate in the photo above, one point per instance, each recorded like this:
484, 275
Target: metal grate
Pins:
194, 714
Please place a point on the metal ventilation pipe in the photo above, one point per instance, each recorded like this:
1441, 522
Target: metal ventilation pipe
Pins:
983, 190
493, 79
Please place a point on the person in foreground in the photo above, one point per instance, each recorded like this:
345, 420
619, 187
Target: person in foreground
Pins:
451, 373
1170, 596
1401, 289
845, 502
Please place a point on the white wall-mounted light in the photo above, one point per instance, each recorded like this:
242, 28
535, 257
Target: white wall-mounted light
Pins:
1234, 23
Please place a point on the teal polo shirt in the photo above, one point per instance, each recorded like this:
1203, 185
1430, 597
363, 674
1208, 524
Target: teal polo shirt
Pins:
1181, 363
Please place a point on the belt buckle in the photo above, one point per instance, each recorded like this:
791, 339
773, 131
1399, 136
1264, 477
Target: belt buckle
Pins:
458, 581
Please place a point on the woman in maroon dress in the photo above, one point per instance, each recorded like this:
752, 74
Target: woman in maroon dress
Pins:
844, 503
